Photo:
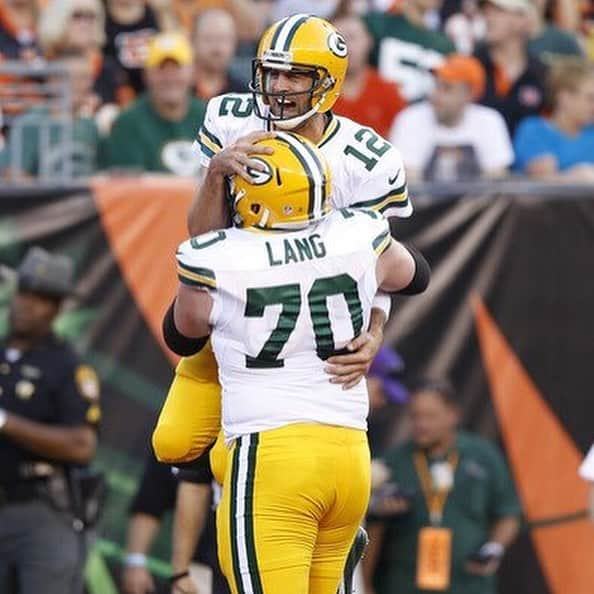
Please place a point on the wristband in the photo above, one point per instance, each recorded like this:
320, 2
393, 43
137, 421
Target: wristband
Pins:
383, 302
3, 417
178, 576
135, 560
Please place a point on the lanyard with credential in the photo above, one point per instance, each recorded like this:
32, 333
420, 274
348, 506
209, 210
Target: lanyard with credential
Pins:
436, 498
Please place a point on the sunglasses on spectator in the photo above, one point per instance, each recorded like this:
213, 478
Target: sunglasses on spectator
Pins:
87, 15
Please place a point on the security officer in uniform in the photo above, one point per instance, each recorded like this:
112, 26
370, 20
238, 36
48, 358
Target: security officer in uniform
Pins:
49, 409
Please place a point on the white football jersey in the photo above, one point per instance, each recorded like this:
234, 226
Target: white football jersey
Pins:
367, 171
283, 302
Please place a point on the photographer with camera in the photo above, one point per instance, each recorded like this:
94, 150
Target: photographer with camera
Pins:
446, 511
49, 411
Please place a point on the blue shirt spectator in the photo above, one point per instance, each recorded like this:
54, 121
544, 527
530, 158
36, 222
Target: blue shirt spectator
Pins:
562, 145
537, 137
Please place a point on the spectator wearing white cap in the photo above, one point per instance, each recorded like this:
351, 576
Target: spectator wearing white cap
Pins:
514, 79
450, 137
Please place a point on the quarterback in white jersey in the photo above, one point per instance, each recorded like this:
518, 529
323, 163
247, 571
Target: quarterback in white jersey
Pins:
279, 295
367, 171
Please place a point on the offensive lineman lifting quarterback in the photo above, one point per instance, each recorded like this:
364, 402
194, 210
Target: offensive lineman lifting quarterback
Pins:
278, 295
297, 77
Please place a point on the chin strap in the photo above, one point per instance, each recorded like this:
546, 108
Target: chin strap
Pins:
292, 123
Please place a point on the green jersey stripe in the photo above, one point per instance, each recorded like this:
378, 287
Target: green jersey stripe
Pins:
207, 272
207, 150
249, 515
375, 201
211, 136
379, 239
232, 520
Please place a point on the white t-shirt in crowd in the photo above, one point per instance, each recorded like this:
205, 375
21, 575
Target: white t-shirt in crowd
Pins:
586, 470
479, 143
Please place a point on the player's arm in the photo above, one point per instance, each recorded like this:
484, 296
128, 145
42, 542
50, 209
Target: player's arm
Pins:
406, 271
191, 313
191, 510
382, 184
402, 269
187, 323
350, 369
209, 209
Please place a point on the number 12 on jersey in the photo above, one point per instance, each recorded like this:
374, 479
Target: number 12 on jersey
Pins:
289, 297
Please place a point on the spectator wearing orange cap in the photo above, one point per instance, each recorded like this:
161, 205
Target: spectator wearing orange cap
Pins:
450, 137
155, 133
366, 96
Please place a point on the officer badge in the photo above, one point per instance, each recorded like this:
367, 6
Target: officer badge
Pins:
24, 389
87, 382
93, 414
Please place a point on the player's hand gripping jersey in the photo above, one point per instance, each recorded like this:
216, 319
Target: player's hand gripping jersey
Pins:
283, 303
367, 171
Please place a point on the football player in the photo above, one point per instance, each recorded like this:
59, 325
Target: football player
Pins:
279, 294
297, 77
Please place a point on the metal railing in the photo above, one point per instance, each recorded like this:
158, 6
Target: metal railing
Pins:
37, 96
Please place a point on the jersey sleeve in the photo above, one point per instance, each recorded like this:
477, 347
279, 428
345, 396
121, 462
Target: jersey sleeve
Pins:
194, 266
383, 188
371, 230
211, 137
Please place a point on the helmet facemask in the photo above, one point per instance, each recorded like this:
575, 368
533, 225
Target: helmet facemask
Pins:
262, 69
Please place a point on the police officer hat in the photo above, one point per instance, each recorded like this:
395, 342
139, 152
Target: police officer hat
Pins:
45, 273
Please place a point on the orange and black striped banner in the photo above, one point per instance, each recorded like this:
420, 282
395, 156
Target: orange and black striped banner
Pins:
508, 317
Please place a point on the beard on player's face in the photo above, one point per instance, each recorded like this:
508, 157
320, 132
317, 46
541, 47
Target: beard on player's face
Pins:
288, 93
289, 106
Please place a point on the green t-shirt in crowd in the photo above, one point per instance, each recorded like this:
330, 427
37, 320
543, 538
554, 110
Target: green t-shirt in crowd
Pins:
142, 140
552, 43
483, 492
405, 53
43, 146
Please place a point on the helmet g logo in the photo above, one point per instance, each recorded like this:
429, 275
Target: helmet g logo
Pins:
260, 178
337, 45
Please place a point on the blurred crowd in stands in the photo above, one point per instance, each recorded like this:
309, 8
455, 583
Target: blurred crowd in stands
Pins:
464, 89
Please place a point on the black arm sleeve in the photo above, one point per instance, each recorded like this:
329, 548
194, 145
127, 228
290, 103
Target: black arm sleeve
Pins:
198, 471
420, 280
176, 341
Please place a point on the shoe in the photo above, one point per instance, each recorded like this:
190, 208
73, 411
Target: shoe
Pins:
355, 555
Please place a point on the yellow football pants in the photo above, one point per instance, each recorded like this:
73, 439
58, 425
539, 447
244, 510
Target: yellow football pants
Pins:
292, 501
190, 419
